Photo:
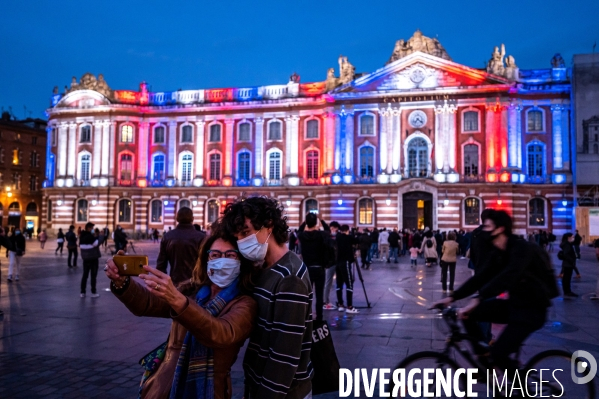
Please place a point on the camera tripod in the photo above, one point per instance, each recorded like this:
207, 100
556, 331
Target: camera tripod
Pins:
355, 263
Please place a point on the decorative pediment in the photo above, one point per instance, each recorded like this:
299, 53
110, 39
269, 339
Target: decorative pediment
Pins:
82, 99
421, 71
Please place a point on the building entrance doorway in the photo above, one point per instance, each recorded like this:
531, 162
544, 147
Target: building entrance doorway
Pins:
417, 210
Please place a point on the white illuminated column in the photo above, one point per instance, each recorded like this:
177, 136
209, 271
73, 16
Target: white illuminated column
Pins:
384, 142
142, 148
259, 147
556, 122
61, 153
199, 156
171, 170
396, 140
112, 150
97, 150
105, 148
566, 136
72, 151
229, 126
514, 136
389, 123
440, 148
349, 142
338, 122
294, 167
490, 134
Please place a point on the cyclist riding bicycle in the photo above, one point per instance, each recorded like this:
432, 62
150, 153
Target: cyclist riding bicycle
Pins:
517, 267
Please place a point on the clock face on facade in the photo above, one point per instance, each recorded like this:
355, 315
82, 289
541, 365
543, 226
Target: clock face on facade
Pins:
417, 119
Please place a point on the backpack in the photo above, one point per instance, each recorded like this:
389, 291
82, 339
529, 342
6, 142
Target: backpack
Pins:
544, 273
560, 255
429, 243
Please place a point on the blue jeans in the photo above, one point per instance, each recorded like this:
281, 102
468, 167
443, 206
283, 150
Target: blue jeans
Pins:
374, 248
393, 252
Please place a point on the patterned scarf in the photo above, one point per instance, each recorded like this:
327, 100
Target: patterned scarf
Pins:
194, 375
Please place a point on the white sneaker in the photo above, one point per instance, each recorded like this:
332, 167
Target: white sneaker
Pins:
341, 309
329, 306
352, 310
82, 295
94, 295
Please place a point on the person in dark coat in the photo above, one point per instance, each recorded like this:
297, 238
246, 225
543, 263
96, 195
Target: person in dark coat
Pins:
15, 254
6, 243
364, 243
568, 263
71, 239
87, 242
120, 239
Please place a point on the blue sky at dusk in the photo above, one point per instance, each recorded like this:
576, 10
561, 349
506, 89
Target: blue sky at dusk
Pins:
198, 44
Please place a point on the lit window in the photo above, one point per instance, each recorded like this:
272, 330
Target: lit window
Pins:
274, 130
471, 121
127, 134
126, 167
417, 158
158, 167
312, 129
367, 125
82, 210
472, 211
312, 165
156, 211
365, 211
535, 160
213, 211
243, 166
214, 166
86, 134
244, 131
15, 157
535, 121
471, 160
186, 134
367, 162
84, 167
214, 133
536, 209
186, 167
159, 135
274, 165
125, 211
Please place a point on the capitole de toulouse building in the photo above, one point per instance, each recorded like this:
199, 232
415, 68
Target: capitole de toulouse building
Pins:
422, 141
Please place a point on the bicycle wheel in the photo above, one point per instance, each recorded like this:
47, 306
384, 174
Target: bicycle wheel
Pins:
555, 382
427, 360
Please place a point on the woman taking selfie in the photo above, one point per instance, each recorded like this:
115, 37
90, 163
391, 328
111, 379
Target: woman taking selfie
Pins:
212, 317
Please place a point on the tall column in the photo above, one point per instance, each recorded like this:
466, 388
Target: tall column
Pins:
329, 141
383, 140
294, 168
97, 150
339, 126
72, 152
445, 143
105, 148
566, 136
502, 135
171, 170
142, 154
389, 121
349, 140
292, 150
557, 144
50, 165
490, 134
451, 141
514, 136
61, 152
440, 148
259, 151
111, 152
199, 155
228, 175
396, 139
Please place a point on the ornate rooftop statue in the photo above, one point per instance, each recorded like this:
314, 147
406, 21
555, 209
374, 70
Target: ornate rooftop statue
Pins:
347, 71
418, 42
496, 64
89, 82
557, 61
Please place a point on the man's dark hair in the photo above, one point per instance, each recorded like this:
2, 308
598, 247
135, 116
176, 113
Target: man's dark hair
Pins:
485, 214
311, 220
344, 228
262, 212
566, 236
501, 219
71, 227
334, 224
185, 215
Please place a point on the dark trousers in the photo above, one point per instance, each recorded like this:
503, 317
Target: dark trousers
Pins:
344, 276
59, 247
364, 257
577, 250
444, 267
74, 254
520, 324
567, 279
89, 266
317, 277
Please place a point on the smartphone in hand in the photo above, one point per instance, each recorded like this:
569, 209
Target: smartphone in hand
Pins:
130, 265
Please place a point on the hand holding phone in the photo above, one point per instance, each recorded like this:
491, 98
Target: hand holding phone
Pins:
130, 265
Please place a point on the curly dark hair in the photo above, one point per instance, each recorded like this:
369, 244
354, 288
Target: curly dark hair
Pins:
262, 212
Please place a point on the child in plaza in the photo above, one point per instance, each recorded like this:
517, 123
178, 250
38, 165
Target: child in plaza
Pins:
414, 251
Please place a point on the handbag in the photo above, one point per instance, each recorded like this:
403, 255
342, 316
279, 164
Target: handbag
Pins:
150, 363
324, 359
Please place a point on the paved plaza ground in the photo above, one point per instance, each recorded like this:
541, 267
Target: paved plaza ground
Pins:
54, 344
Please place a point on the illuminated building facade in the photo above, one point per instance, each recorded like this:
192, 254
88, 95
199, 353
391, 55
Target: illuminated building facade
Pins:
423, 141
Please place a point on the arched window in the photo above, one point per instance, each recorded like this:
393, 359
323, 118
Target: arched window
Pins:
311, 206
470, 121
156, 211
186, 167
125, 211
127, 134
535, 120
367, 161
417, 158
367, 125
31, 209
186, 134
243, 166
274, 130
471, 160
82, 210
213, 211
159, 135
535, 157
365, 211
184, 204
472, 211
215, 166
536, 212
126, 168
14, 208
244, 131
86, 134
312, 164
312, 129
214, 133
274, 165
84, 167
158, 167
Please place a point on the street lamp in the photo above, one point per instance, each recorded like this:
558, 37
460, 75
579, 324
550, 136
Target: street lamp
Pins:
446, 200
340, 200
388, 200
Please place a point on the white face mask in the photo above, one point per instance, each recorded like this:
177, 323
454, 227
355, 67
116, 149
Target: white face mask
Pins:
223, 271
251, 249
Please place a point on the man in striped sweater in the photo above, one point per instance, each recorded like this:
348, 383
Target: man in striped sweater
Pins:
277, 360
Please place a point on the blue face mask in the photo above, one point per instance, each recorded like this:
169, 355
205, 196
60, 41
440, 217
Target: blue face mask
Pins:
223, 271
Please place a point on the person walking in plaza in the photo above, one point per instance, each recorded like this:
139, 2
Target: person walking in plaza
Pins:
374, 245
331, 269
212, 316
90, 253
394, 241
277, 360
179, 248
576, 243
155, 235
449, 251
15, 254
364, 243
414, 251
568, 263
71, 239
6, 243
59, 242
429, 248
384, 244
313, 245
345, 258
42, 237
106, 233
120, 239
